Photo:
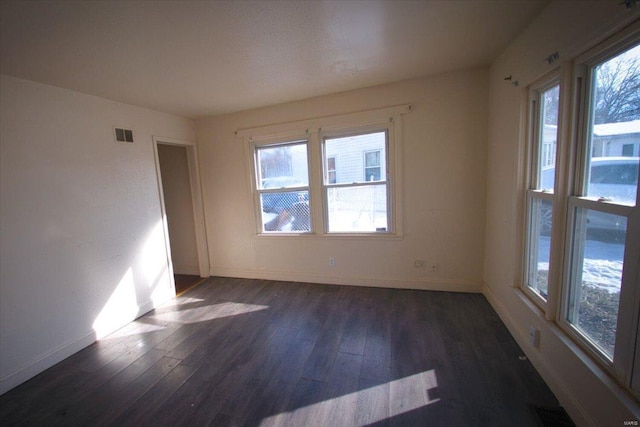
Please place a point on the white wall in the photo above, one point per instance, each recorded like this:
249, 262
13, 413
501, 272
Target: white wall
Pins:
443, 202
178, 203
82, 250
569, 28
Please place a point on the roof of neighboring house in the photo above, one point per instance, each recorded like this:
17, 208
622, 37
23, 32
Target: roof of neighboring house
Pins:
621, 128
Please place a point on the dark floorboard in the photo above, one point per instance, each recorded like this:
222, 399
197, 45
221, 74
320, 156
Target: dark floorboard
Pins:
239, 352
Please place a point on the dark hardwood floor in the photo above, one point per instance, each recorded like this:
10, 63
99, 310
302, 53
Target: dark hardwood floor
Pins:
234, 352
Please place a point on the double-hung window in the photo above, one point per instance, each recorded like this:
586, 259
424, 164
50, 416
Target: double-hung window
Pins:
357, 200
336, 175
600, 292
585, 196
282, 182
543, 101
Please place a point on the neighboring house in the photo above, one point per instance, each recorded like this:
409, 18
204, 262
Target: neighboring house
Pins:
609, 140
616, 139
356, 159
549, 143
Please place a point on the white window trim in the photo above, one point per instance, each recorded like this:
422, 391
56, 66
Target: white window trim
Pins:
311, 130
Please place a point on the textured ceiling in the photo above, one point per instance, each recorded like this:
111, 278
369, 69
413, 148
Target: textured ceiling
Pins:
202, 58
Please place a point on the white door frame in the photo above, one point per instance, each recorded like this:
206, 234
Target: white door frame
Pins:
196, 197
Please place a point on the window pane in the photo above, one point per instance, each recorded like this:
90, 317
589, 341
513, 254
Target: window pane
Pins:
362, 157
615, 131
357, 209
596, 276
286, 211
331, 163
331, 170
548, 137
282, 166
372, 158
539, 246
372, 168
372, 174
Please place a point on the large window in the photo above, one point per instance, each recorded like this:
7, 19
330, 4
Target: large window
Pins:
334, 175
357, 201
582, 216
604, 201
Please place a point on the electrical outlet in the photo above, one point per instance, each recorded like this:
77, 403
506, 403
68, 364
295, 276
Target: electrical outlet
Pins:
534, 336
433, 267
332, 262
418, 263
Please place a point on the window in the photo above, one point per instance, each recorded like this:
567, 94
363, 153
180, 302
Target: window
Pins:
357, 201
283, 187
544, 101
582, 227
328, 176
601, 208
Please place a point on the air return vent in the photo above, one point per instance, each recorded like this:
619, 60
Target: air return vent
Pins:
123, 135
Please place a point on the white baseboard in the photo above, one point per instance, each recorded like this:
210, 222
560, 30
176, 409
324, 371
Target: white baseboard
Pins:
46, 361
57, 355
374, 282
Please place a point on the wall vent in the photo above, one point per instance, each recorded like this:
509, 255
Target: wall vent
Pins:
123, 135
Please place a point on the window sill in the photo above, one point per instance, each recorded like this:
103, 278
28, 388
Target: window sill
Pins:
533, 298
330, 236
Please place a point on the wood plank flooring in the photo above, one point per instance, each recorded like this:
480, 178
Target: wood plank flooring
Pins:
238, 352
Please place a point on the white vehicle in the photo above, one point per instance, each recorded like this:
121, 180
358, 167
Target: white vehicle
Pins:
610, 178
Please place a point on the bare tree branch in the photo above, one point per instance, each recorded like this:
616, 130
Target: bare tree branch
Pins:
617, 97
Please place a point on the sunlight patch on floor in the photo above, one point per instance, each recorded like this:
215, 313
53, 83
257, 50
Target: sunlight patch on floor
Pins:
181, 301
207, 312
134, 328
378, 403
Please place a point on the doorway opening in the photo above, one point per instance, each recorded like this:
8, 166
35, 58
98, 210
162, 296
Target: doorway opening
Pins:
185, 282
182, 212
